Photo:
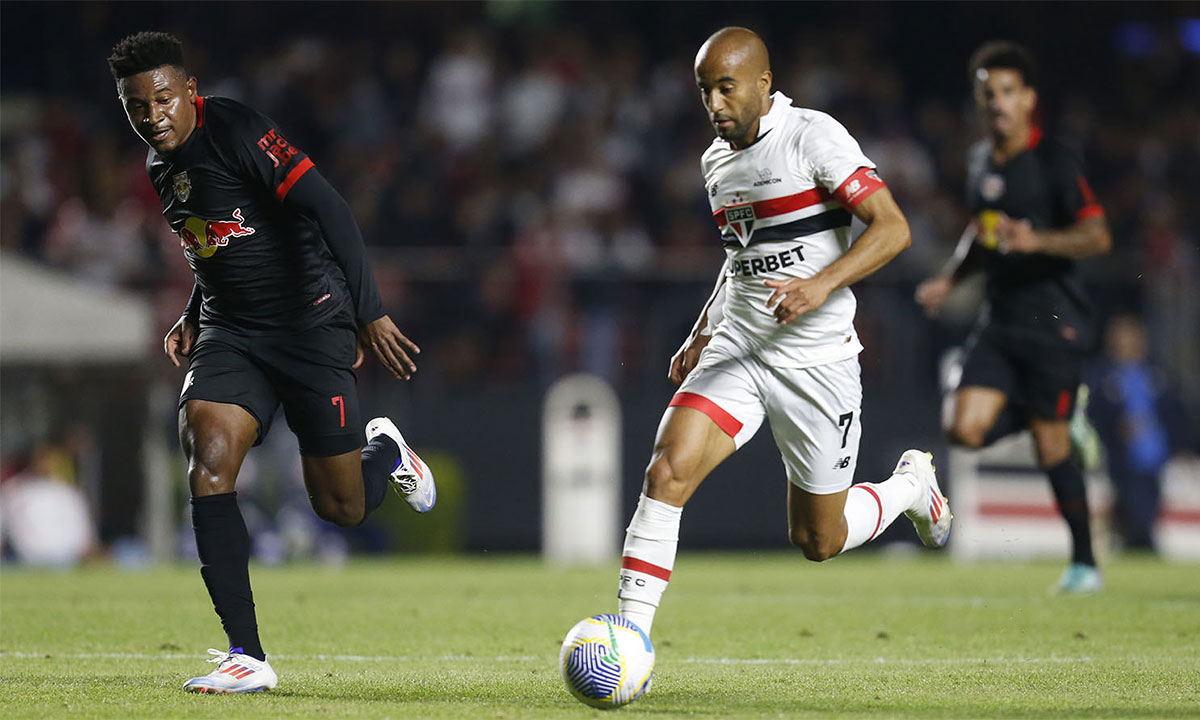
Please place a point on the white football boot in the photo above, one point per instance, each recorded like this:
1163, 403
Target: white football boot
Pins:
931, 515
235, 673
411, 477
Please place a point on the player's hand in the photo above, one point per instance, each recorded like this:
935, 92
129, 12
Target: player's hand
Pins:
180, 339
686, 358
932, 294
1016, 236
390, 346
795, 296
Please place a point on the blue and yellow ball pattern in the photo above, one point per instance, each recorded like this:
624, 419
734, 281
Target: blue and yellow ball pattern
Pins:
606, 661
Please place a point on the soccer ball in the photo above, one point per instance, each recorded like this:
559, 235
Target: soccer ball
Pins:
606, 661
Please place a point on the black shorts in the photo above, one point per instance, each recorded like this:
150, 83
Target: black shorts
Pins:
307, 371
1041, 375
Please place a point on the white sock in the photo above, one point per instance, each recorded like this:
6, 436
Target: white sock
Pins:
871, 507
647, 560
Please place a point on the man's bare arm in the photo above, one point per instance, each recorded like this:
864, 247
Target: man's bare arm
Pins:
966, 258
1086, 238
887, 234
716, 299
686, 357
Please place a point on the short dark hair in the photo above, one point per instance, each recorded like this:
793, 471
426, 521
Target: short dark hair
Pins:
144, 51
1006, 55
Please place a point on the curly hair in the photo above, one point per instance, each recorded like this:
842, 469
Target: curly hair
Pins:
144, 51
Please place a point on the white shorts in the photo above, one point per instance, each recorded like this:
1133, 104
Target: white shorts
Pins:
815, 412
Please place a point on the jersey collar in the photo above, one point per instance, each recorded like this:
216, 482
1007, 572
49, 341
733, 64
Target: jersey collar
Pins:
779, 107
1035, 139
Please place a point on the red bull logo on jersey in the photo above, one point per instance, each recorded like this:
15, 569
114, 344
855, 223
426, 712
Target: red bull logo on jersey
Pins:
204, 237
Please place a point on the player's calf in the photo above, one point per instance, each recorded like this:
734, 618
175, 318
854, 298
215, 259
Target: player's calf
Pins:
966, 436
647, 559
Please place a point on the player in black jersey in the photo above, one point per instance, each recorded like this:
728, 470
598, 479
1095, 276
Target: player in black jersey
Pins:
283, 306
1035, 216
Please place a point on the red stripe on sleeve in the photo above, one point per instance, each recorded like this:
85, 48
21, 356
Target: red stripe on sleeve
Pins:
731, 425
297, 172
1089, 197
1091, 207
858, 187
632, 563
199, 112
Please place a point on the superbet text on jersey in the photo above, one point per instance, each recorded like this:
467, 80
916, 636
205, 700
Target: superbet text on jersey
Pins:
783, 208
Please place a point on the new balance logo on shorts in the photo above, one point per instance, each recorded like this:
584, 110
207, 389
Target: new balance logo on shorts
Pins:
842, 464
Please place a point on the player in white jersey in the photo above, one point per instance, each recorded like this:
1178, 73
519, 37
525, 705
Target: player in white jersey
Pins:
776, 339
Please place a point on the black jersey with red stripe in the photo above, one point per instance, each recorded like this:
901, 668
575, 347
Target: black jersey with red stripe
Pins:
259, 265
1033, 294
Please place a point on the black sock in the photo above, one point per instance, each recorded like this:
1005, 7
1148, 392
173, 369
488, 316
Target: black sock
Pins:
1012, 419
224, 548
378, 461
1069, 490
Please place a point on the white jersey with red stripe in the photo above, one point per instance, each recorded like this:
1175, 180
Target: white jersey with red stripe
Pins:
783, 207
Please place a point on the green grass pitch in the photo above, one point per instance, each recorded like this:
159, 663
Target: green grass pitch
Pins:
739, 636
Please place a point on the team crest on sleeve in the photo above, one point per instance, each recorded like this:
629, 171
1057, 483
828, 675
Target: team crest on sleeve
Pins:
183, 186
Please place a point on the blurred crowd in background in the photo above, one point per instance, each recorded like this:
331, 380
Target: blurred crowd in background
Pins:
526, 175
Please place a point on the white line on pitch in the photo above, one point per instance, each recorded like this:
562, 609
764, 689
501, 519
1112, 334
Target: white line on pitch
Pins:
274, 656
880, 661
531, 658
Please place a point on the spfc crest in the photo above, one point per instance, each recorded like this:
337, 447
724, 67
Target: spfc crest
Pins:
739, 220
183, 186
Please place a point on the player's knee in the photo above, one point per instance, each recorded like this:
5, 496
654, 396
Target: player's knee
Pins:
210, 469
663, 483
1051, 457
1052, 445
966, 435
816, 546
342, 512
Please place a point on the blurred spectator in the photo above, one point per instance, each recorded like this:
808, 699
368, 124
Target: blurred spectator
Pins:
458, 98
44, 516
535, 137
1136, 410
